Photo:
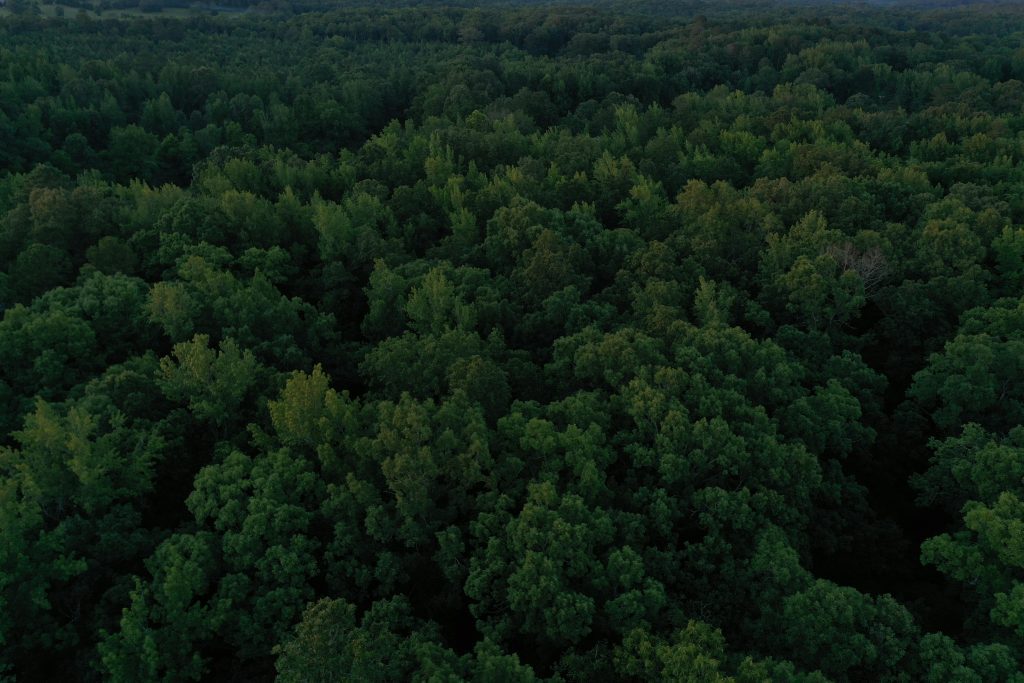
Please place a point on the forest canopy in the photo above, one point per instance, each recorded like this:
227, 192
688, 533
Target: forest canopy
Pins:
476, 342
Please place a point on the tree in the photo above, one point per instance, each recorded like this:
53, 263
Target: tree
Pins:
213, 383
976, 378
131, 152
978, 477
75, 491
24, 8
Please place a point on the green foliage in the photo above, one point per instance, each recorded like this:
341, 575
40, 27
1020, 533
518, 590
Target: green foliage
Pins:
214, 383
512, 343
74, 493
977, 377
388, 643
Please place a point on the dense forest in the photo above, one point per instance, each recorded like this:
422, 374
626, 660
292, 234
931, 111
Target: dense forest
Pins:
614, 342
